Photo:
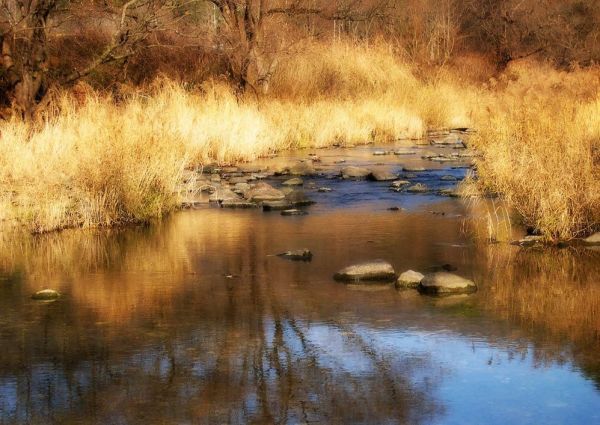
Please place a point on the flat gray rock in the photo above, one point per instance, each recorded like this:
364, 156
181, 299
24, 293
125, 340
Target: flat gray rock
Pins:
411, 169
378, 271
442, 283
409, 279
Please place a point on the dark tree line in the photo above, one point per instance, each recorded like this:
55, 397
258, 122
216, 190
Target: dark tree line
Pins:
247, 37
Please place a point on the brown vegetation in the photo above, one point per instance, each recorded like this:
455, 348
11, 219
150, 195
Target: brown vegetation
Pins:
105, 104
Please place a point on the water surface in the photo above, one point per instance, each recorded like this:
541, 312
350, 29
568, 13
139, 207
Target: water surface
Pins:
194, 320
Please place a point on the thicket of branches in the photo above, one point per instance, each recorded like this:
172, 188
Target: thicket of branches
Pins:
46, 43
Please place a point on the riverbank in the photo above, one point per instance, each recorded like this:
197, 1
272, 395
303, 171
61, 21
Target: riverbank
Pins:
101, 160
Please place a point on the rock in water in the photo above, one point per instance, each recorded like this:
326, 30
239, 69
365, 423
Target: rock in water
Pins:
443, 283
353, 172
418, 188
377, 270
46, 295
409, 279
593, 240
304, 168
237, 203
264, 192
296, 181
382, 176
298, 198
276, 205
297, 255
413, 169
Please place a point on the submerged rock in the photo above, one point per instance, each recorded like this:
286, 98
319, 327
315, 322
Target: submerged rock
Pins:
593, 239
378, 270
293, 211
442, 283
448, 178
409, 279
297, 255
264, 192
382, 176
46, 295
353, 172
324, 189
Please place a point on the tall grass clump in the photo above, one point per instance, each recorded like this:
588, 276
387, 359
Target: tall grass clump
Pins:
541, 144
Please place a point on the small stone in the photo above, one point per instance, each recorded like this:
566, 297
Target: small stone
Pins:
379, 153
297, 255
398, 184
404, 152
296, 181
46, 295
593, 239
409, 279
418, 188
293, 212
443, 283
377, 270
449, 192
324, 189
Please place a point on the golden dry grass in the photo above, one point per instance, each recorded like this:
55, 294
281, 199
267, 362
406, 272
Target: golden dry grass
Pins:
98, 160
540, 137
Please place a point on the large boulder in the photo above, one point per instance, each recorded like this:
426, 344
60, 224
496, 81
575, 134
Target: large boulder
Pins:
378, 270
409, 279
264, 192
442, 283
355, 173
